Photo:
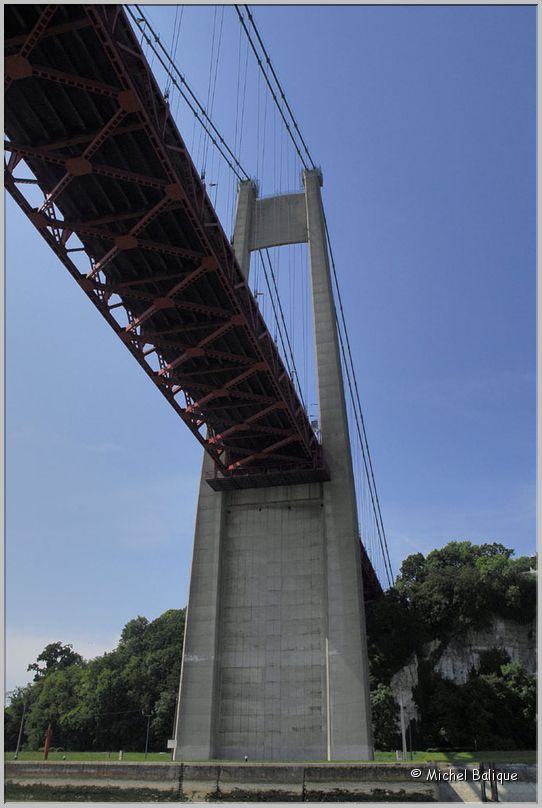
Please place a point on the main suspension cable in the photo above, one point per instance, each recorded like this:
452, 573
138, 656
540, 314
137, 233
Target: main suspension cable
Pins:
172, 69
346, 351
349, 367
273, 94
282, 94
292, 368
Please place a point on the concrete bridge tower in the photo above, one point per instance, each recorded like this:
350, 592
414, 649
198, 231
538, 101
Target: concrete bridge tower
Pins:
275, 651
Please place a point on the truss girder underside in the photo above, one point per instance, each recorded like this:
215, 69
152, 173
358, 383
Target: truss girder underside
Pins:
95, 160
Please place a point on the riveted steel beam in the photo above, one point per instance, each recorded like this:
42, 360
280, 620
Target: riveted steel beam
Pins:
51, 30
16, 66
253, 387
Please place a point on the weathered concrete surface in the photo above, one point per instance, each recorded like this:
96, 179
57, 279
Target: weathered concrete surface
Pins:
199, 782
261, 782
248, 782
271, 681
197, 708
275, 654
349, 706
524, 789
279, 220
163, 775
69, 781
196, 703
192, 782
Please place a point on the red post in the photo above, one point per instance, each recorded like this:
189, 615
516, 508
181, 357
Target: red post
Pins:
48, 738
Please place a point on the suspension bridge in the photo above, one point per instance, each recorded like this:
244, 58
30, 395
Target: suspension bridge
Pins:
97, 163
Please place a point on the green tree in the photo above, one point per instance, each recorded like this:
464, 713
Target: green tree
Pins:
463, 584
441, 706
133, 633
13, 715
491, 661
385, 715
100, 704
55, 656
494, 709
507, 698
394, 633
53, 697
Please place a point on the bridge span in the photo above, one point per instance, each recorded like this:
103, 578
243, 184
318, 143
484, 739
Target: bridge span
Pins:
83, 110
275, 655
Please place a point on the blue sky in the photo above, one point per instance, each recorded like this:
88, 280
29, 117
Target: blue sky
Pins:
423, 121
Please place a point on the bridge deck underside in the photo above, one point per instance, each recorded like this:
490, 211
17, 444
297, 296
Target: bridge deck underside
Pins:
114, 192
85, 114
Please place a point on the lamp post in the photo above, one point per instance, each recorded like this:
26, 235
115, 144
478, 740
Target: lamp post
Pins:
403, 734
20, 732
148, 717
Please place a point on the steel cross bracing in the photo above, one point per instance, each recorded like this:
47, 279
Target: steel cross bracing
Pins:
121, 194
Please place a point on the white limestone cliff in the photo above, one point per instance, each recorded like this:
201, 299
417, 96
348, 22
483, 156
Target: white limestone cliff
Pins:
463, 652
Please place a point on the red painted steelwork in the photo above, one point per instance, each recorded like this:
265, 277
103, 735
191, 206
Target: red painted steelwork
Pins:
124, 187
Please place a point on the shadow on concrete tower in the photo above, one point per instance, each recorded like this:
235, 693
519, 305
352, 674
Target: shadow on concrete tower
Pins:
275, 652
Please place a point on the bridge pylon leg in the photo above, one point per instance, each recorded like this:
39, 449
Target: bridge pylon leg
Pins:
275, 653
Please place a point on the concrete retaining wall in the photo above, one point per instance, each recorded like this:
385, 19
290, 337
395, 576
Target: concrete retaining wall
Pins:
258, 782
195, 782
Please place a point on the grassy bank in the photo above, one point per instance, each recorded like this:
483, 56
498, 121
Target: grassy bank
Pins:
128, 757
513, 756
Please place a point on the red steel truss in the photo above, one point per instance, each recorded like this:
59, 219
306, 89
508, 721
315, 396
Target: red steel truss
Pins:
84, 113
124, 209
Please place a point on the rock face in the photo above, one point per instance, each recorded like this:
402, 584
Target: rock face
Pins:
462, 652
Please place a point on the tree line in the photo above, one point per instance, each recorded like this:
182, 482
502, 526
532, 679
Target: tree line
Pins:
102, 704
